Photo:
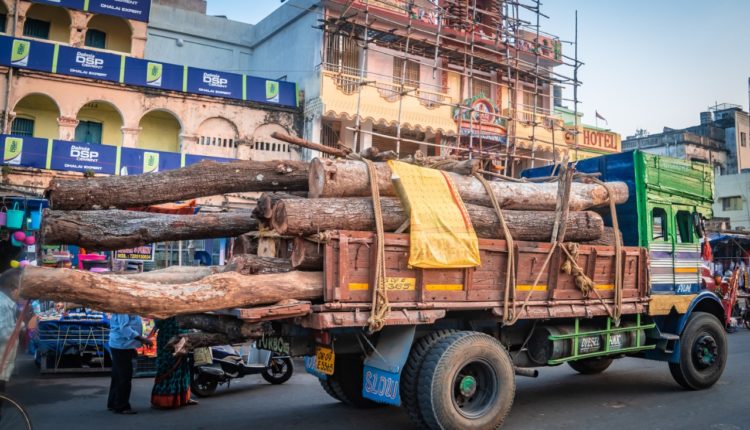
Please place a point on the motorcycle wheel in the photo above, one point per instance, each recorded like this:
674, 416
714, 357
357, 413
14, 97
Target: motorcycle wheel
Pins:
279, 370
201, 386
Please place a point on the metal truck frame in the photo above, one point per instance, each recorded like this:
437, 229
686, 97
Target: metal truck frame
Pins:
455, 338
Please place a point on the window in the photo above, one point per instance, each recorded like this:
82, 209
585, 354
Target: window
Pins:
96, 38
743, 139
659, 224
22, 127
733, 203
3, 22
410, 72
89, 132
36, 28
684, 221
342, 54
480, 87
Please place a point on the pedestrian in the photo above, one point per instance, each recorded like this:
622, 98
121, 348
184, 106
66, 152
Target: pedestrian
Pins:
8, 314
125, 335
172, 384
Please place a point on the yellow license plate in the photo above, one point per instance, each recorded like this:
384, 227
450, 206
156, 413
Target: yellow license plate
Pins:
325, 359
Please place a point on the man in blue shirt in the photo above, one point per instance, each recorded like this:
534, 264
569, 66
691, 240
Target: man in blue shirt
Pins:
125, 335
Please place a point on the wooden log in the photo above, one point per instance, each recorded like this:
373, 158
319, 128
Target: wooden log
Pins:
245, 244
173, 275
607, 238
309, 216
115, 294
207, 178
307, 255
348, 178
118, 229
184, 343
264, 208
253, 265
223, 324
336, 152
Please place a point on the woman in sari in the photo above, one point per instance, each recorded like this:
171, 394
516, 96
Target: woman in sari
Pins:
172, 384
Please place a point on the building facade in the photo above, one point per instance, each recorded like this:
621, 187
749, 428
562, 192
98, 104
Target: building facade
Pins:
733, 199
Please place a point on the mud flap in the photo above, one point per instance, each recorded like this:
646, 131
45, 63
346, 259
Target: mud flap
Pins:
382, 369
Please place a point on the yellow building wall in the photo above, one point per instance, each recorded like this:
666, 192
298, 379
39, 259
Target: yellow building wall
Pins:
118, 32
110, 119
160, 131
57, 17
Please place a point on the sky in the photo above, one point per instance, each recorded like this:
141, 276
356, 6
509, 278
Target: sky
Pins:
648, 64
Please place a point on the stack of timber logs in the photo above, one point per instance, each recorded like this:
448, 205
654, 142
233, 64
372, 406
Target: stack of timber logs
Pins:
299, 200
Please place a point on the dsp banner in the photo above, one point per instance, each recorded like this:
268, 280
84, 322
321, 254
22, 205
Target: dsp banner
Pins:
81, 157
270, 91
153, 74
213, 83
88, 64
128, 9
136, 161
24, 151
26, 54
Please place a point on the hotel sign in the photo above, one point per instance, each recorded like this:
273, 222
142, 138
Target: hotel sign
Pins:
599, 140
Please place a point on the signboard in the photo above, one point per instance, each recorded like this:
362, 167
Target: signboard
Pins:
599, 140
137, 161
483, 120
128, 9
88, 64
214, 83
153, 74
81, 157
24, 151
139, 253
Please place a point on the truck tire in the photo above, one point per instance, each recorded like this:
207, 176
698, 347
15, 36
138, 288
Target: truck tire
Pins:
467, 382
410, 374
591, 366
346, 382
326, 384
703, 352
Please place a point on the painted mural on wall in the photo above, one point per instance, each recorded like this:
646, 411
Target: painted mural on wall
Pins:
482, 121
105, 66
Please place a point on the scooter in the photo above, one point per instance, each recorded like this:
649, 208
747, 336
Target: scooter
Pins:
218, 365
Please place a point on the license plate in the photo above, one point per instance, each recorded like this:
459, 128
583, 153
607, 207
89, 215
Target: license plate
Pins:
325, 359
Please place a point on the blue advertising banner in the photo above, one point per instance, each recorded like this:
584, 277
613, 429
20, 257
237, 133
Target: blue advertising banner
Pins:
128, 9
213, 83
137, 161
82, 157
88, 64
270, 91
27, 54
24, 151
192, 159
152, 74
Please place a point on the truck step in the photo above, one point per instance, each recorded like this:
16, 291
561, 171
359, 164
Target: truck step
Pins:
667, 342
669, 336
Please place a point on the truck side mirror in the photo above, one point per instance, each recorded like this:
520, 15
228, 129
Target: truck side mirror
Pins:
698, 224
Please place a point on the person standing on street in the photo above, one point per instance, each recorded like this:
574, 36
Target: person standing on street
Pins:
125, 335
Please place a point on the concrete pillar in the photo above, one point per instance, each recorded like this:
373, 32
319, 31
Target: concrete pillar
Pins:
130, 136
365, 135
67, 127
188, 142
78, 25
244, 149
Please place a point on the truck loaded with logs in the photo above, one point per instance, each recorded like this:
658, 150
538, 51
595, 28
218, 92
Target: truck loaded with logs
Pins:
578, 263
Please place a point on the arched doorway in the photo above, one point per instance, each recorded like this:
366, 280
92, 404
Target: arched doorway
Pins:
160, 131
109, 32
99, 122
36, 115
217, 137
47, 22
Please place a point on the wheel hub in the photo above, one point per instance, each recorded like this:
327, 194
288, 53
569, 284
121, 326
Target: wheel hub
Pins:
468, 386
706, 351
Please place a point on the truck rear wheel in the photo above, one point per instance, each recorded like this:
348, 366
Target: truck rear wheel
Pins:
346, 382
326, 384
591, 366
466, 382
410, 374
703, 352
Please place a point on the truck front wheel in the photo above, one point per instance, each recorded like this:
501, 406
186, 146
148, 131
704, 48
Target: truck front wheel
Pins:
703, 352
466, 382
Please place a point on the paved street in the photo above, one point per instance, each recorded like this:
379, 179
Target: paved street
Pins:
632, 394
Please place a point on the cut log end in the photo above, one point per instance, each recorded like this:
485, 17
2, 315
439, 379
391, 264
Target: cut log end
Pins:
317, 179
279, 219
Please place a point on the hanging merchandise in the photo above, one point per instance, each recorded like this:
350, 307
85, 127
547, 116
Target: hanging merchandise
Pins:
30, 240
15, 216
3, 215
35, 219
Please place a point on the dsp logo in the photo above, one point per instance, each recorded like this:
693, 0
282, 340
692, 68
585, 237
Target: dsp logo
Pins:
83, 153
214, 80
89, 60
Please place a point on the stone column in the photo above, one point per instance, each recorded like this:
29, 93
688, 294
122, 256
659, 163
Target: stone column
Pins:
67, 127
130, 136
78, 24
188, 143
244, 149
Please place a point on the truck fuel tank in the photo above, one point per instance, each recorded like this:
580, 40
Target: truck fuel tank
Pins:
541, 349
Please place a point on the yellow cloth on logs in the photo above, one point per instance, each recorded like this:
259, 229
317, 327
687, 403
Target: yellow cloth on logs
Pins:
442, 236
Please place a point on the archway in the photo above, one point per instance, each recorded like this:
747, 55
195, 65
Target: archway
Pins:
47, 22
109, 32
99, 122
217, 137
160, 131
266, 147
3, 17
36, 115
